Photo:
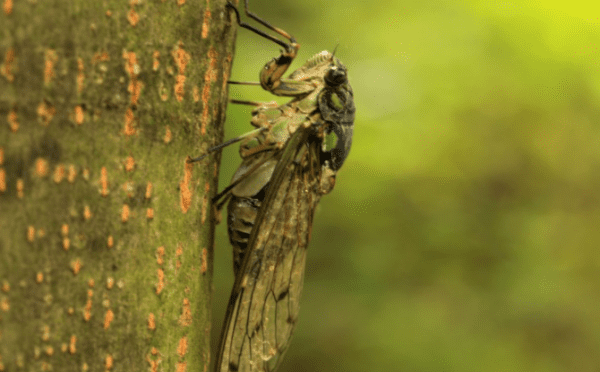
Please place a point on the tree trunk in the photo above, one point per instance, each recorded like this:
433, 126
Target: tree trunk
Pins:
106, 233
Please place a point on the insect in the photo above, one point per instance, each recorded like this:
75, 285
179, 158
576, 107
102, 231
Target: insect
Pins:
288, 163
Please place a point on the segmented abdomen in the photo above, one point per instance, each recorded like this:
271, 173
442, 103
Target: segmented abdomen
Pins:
241, 214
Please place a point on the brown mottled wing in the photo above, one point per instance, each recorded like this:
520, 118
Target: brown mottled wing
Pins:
263, 307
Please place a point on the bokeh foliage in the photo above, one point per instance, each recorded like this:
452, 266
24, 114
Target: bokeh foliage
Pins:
463, 232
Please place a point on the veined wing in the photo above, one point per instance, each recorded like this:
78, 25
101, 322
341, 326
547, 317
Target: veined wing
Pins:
263, 307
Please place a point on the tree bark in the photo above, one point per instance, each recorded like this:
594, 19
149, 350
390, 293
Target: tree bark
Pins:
106, 233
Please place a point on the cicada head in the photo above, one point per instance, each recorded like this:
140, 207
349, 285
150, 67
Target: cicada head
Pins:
336, 105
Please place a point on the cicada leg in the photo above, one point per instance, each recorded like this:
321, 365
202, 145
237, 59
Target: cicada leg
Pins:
271, 104
271, 75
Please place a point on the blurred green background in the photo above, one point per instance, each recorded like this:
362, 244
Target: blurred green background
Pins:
463, 233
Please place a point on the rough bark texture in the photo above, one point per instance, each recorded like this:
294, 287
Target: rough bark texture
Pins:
105, 231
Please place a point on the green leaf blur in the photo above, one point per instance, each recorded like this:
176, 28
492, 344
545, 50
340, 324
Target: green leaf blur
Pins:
464, 230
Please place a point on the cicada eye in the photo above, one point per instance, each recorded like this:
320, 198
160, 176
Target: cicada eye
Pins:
335, 76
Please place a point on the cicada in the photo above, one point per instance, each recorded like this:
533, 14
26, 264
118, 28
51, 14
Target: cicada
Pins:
288, 163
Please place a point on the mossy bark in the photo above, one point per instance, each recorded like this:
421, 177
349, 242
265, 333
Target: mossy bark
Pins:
106, 232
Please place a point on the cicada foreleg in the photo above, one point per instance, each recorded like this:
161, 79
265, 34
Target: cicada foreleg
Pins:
271, 75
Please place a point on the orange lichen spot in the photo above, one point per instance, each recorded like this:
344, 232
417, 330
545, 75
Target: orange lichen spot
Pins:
1, 155
182, 347
110, 242
66, 244
71, 174
59, 173
7, 6
110, 282
41, 167
80, 75
129, 129
181, 57
155, 60
131, 64
209, 77
20, 188
5, 286
64, 347
76, 266
129, 163
78, 115
132, 17
49, 350
160, 253
50, 59
41, 233
168, 135
153, 363
45, 333
133, 70
206, 22
4, 304
108, 362
186, 314
161, 281
87, 311
181, 366
13, 121
9, 59
125, 213
70, 310
148, 193
149, 213
85, 367
64, 230
86, 174
30, 233
108, 318
179, 87
2, 180
100, 57
87, 213
180, 2
151, 322
108, 13
204, 261
39, 277
91, 283
185, 191
46, 112
134, 88
72, 344
103, 181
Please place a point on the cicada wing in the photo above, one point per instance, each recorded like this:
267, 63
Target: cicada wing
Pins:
264, 303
